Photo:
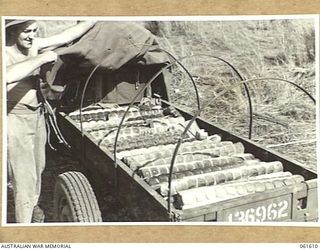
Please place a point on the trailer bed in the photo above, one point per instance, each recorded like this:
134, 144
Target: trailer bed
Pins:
296, 202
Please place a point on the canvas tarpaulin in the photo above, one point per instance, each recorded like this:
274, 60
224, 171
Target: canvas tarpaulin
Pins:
109, 45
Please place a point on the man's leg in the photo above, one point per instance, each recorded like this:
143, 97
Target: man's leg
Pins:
40, 160
21, 142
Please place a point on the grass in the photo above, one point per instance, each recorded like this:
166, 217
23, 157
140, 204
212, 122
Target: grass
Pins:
284, 117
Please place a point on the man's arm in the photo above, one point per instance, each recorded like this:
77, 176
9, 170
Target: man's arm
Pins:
18, 71
66, 36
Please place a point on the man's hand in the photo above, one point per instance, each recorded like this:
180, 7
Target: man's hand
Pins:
66, 36
48, 56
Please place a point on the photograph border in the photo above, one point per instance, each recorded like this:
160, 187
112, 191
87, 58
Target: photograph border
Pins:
187, 233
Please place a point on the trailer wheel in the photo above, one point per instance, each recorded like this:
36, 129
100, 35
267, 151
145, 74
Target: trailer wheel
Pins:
74, 200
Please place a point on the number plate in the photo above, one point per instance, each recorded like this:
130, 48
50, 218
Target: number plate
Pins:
275, 209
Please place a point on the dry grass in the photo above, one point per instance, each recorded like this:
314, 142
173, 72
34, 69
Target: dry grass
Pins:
284, 118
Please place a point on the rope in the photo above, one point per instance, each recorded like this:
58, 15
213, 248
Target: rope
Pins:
51, 121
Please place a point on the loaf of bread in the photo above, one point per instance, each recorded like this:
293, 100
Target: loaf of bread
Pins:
222, 176
139, 161
197, 197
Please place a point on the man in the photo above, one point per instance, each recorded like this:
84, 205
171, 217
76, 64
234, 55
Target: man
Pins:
26, 124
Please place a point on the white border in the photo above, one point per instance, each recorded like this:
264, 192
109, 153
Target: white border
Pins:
4, 129
156, 18
317, 76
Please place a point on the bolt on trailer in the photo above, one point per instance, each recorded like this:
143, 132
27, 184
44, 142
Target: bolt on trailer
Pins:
159, 161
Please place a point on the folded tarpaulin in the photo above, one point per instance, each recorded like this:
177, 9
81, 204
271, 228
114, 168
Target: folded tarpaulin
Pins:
110, 45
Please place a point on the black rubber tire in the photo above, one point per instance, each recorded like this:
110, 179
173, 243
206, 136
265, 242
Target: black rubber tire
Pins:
74, 199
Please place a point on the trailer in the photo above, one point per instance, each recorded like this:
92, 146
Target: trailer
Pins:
215, 176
